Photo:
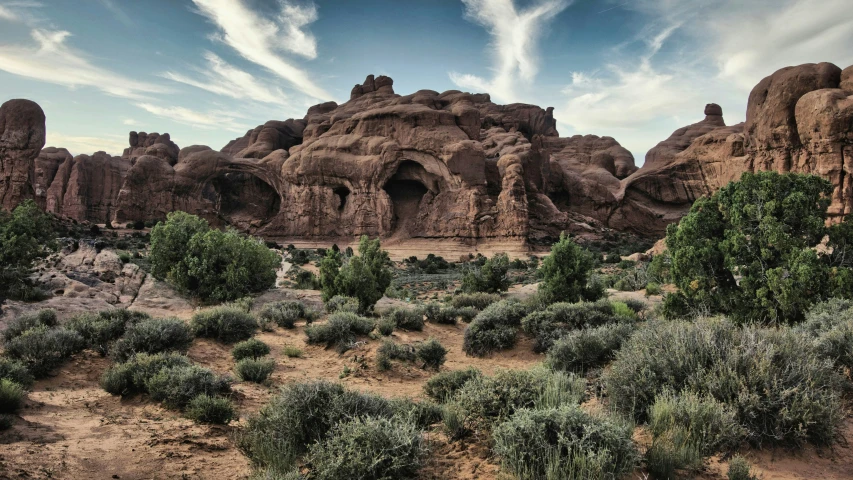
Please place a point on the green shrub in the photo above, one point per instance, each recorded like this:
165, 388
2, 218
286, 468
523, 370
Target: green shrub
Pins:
466, 314
580, 350
251, 348
131, 376
341, 303
226, 324
559, 319
207, 409
386, 326
406, 319
781, 390
176, 386
495, 328
390, 350
441, 314
565, 273
15, 371
284, 313
432, 353
100, 330
211, 264
686, 428
830, 326
26, 235
43, 318
491, 400
739, 469
153, 336
652, 288
477, 300
783, 216
291, 351
340, 330
254, 369
443, 386
564, 442
423, 413
11, 396
365, 276
491, 277
300, 415
41, 349
369, 448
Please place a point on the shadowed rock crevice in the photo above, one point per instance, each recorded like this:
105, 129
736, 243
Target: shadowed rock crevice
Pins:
406, 189
242, 199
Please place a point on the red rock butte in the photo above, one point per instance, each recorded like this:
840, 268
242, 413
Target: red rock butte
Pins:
431, 165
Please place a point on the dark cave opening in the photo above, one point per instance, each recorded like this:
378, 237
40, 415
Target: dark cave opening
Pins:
406, 189
343, 193
243, 200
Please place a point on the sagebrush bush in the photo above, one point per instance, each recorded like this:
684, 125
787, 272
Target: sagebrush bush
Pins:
495, 328
653, 288
251, 348
41, 349
291, 351
441, 314
386, 326
432, 353
176, 386
254, 369
340, 330
100, 330
15, 371
422, 413
390, 350
478, 300
43, 318
564, 442
783, 392
152, 336
443, 386
830, 326
558, 319
300, 415
284, 313
407, 319
466, 314
208, 409
131, 376
739, 469
11, 396
580, 350
686, 428
490, 400
368, 448
226, 324
341, 303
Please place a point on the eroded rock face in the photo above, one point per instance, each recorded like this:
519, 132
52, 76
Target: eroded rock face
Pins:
799, 119
22, 134
449, 165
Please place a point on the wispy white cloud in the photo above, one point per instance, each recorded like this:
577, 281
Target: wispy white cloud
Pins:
78, 145
118, 13
129, 121
514, 36
262, 41
18, 10
51, 60
723, 49
221, 78
217, 119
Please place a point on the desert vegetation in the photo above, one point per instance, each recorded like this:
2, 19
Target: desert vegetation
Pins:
582, 365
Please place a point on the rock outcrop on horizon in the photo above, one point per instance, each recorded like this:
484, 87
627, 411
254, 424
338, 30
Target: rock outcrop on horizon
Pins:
439, 165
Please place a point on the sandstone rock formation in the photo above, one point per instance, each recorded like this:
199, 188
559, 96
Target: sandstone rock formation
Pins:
799, 119
440, 165
22, 134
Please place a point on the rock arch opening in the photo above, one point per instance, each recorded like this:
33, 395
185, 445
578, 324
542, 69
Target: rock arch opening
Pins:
343, 194
242, 200
407, 188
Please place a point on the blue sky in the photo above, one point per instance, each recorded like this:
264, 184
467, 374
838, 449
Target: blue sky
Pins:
207, 70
